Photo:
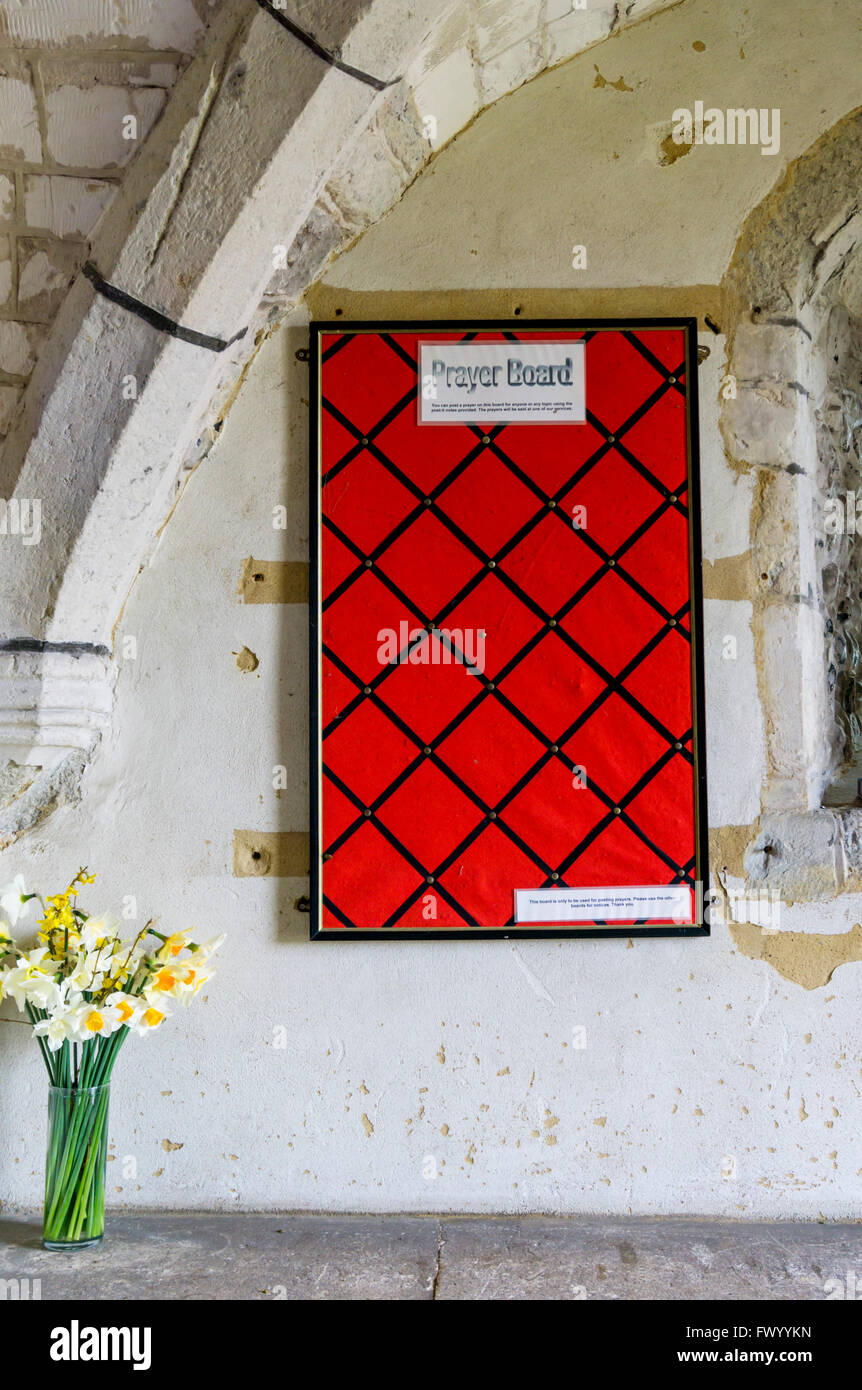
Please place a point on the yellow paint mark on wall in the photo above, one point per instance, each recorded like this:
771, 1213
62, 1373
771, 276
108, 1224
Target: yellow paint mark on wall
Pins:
731, 577
273, 581
246, 660
618, 86
277, 853
727, 847
808, 959
671, 150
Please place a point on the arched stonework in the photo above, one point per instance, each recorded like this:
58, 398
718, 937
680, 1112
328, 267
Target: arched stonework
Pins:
267, 160
791, 415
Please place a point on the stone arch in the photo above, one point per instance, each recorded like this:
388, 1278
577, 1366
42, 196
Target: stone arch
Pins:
790, 416
268, 160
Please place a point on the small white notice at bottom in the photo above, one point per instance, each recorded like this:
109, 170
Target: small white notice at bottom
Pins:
664, 902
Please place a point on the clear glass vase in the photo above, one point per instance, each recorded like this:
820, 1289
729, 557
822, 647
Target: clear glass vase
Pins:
75, 1167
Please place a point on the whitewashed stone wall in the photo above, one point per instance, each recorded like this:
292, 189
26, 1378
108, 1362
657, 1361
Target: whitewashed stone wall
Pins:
720, 1074
71, 74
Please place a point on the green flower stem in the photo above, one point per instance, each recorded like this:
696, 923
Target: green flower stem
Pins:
85, 1185
43, 1048
72, 1173
73, 1134
76, 1154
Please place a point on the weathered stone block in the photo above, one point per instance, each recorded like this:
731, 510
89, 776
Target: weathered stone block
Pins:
447, 98
5, 270
162, 23
9, 398
735, 716
578, 29
19, 122
773, 352
402, 132
798, 855
314, 243
502, 23
90, 127
7, 197
364, 187
510, 69
761, 426
45, 269
19, 345
556, 9
65, 206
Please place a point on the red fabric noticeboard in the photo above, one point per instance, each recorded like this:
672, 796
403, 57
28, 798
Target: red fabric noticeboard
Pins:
506, 649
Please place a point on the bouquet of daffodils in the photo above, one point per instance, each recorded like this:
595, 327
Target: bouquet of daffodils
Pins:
84, 989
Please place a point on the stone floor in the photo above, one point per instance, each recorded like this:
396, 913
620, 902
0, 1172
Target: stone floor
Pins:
148, 1256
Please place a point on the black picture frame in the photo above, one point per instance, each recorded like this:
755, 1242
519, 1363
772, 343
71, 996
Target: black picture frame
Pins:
555, 931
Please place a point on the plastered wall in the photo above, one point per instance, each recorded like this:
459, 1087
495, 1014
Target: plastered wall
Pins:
81, 84
718, 1075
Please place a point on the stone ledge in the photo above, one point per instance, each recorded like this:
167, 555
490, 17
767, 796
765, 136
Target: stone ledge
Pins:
403, 1257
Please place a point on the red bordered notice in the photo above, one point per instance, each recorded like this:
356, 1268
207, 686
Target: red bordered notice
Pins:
507, 702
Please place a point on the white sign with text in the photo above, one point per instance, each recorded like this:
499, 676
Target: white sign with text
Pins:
664, 903
501, 383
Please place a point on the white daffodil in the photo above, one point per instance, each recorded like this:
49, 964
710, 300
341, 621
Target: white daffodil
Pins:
100, 933
182, 978
60, 1027
27, 983
12, 905
149, 1015
172, 945
126, 959
170, 980
209, 948
95, 1021
86, 974
126, 1005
